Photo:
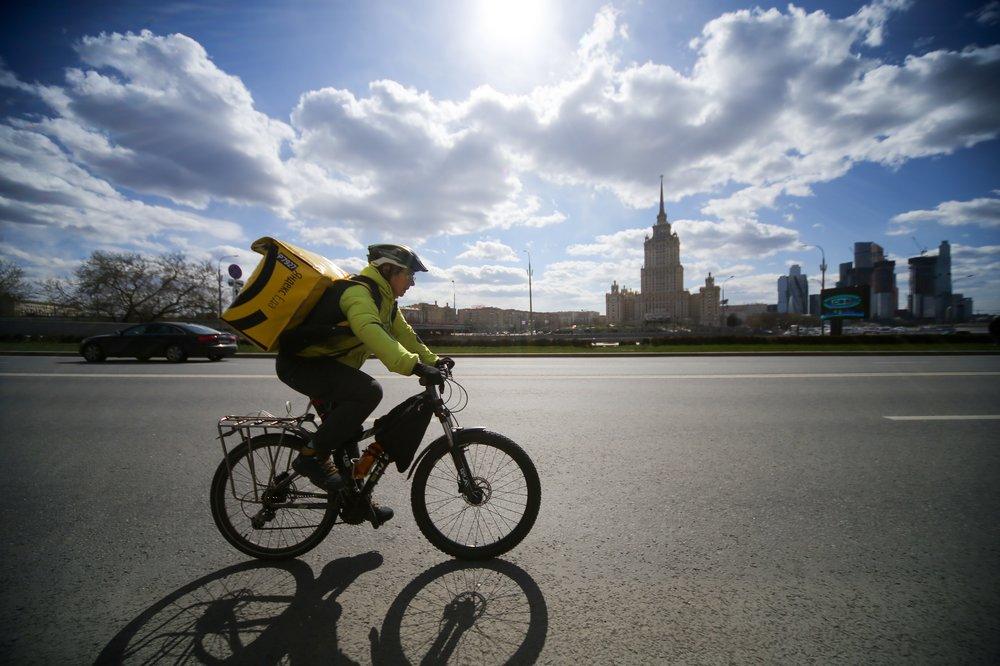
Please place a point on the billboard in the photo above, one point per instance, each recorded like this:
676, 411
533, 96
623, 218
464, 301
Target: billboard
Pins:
845, 303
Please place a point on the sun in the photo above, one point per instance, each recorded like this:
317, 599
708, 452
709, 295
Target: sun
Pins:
512, 27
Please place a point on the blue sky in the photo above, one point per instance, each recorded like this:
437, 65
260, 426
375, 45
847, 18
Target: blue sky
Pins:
476, 130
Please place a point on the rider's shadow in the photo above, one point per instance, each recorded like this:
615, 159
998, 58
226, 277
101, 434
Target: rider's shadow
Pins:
269, 613
249, 613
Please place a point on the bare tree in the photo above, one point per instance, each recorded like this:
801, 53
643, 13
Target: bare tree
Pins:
131, 287
12, 284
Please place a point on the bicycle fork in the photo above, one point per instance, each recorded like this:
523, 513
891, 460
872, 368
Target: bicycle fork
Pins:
466, 483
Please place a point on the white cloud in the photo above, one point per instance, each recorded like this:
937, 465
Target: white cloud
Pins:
492, 275
775, 102
982, 212
988, 14
41, 187
154, 114
399, 162
734, 239
627, 243
595, 41
983, 264
752, 288
489, 250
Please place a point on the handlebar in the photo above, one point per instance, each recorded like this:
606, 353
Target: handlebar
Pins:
445, 374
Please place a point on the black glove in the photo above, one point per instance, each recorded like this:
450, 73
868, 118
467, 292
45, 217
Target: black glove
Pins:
429, 375
445, 362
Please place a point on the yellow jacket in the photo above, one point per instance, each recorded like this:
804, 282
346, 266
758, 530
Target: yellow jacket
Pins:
392, 342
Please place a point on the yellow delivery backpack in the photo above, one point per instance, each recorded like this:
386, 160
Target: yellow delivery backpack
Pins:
281, 291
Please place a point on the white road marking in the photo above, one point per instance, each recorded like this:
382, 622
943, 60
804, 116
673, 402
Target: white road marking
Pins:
790, 375
953, 417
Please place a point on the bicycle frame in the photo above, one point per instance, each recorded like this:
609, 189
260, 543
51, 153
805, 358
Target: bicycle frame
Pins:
250, 426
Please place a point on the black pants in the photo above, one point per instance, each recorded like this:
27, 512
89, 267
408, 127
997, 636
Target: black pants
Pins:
355, 394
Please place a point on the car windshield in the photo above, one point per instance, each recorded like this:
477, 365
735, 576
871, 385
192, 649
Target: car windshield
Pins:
198, 328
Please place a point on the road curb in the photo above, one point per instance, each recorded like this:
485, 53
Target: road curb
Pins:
888, 352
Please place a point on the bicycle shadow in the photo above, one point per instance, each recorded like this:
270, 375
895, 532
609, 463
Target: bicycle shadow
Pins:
276, 612
464, 612
254, 612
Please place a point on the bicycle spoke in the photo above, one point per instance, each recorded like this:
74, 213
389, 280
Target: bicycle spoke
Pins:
489, 522
287, 527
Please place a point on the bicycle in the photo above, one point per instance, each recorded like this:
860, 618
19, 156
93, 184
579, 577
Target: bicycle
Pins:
475, 494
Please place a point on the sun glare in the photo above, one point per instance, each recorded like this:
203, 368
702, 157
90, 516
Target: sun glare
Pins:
512, 27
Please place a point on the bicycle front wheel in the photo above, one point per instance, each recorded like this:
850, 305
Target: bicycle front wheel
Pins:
261, 514
510, 496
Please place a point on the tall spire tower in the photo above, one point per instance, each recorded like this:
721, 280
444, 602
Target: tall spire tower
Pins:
662, 276
661, 218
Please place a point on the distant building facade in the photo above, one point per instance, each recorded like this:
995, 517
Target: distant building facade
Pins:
428, 314
483, 319
661, 296
871, 269
704, 306
622, 305
662, 275
930, 288
793, 292
814, 304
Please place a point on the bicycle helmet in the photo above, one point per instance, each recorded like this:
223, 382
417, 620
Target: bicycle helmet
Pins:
397, 255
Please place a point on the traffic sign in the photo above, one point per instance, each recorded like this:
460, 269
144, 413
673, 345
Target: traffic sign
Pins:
235, 272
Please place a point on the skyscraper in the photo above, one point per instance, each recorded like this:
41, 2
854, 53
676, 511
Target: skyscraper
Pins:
871, 269
884, 294
793, 292
662, 276
920, 302
930, 285
942, 282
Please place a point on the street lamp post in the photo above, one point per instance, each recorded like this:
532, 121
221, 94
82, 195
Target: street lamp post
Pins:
822, 279
218, 272
454, 301
725, 303
531, 309
822, 265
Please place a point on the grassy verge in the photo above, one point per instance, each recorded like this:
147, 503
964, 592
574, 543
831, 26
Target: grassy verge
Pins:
772, 347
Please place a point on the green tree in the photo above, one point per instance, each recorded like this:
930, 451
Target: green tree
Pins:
127, 286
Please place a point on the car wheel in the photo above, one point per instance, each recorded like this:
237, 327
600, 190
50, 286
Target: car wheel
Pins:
215, 357
93, 353
175, 354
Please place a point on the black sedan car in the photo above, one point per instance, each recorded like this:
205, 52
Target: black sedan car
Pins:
176, 341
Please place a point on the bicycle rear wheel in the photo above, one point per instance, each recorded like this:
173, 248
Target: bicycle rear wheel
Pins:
511, 496
249, 505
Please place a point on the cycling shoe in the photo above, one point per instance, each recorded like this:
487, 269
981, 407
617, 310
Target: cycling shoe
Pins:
321, 471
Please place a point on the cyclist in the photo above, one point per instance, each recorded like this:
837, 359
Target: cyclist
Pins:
322, 357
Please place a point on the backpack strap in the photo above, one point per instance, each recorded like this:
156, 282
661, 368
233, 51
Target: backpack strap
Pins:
377, 295
319, 324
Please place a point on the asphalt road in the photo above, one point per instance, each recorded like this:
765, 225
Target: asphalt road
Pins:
693, 511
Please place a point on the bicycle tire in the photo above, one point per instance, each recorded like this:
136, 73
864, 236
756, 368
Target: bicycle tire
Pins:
239, 537
484, 514
417, 619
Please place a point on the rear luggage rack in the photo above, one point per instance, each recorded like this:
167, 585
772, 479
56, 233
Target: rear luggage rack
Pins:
246, 427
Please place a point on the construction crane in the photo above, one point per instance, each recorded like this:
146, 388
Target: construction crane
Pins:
923, 250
